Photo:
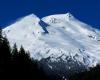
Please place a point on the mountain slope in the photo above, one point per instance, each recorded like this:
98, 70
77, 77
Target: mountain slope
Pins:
57, 37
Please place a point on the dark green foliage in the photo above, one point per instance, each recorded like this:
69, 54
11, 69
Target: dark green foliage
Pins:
14, 50
4, 50
0, 34
16, 64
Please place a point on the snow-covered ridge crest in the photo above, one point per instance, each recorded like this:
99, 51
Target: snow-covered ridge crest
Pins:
56, 36
29, 24
58, 18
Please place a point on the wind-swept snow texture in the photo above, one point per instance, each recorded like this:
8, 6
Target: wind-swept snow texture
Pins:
55, 36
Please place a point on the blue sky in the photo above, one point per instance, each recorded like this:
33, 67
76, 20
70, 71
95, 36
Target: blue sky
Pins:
87, 11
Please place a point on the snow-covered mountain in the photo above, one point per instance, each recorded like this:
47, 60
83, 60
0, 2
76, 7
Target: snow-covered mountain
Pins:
59, 37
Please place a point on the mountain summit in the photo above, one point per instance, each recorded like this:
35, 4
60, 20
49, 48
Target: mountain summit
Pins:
59, 37
58, 18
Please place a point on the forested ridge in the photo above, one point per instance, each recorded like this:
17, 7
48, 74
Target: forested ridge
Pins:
17, 64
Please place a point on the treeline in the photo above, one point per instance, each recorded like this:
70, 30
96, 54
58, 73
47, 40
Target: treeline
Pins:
17, 64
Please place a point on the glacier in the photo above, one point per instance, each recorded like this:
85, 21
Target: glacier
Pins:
57, 37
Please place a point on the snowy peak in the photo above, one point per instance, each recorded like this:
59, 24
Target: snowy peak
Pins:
27, 20
58, 18
55, 36
69, 16
32, 16
68, 22
30, 19
26, 25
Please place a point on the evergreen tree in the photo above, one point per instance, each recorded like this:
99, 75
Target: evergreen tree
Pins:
17, 63
24, 56
5, 55
1, 34
14, 54
14, 50
6, 50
